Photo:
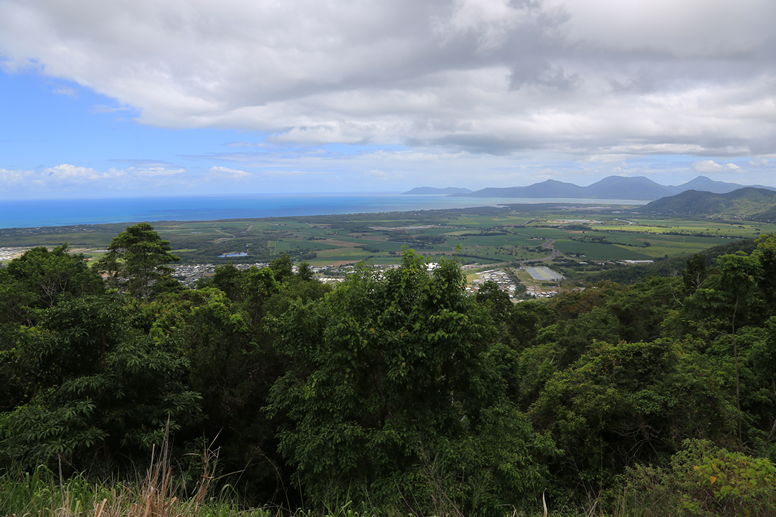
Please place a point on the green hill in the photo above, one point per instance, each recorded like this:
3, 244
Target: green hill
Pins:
746, 203
672, 266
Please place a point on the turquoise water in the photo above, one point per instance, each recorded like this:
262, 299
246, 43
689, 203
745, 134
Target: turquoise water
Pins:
34, 213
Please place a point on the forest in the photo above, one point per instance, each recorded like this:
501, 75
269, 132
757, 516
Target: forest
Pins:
391, 393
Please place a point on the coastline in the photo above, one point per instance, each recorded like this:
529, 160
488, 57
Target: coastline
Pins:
18, 214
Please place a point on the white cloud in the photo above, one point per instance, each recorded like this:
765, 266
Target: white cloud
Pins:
493, 76
283, 172
70, 172
67, 177
10, 177
103, 108
236, 173
710, 166
64, 90
151, 171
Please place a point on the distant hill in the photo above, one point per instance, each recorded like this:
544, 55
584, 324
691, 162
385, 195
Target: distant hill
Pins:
435, 190
549, 188
705, 184
673, 266
612, 187
627, 187
751, 203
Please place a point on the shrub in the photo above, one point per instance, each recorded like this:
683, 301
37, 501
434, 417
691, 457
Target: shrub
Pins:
701, 480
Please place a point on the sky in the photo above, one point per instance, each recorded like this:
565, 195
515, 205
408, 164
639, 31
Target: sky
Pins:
193, 97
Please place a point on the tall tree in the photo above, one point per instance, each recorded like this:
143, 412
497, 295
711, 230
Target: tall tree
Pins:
395, 388
137, 260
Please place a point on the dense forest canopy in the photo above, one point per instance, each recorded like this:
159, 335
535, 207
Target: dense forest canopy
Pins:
398, 390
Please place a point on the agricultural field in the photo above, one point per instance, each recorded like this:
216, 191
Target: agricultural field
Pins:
513, 235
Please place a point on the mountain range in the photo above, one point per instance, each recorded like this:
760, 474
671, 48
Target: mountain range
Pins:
754, 204
435, 190
612, 187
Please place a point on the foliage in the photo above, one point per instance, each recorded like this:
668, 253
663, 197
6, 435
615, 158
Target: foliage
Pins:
41, 278
627, 403
389, 376
94, 385
136, 260
700, 480
395, 389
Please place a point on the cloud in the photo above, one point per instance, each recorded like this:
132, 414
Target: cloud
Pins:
236, 173
283, 172
68, 172
64, 90
486, 76
710, 166
66, 177
376, 173
10, 177
152, 171
104, 108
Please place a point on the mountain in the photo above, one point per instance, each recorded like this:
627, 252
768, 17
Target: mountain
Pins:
705, 184
627, 187
549, 188
746, 203
612, 187
435, 190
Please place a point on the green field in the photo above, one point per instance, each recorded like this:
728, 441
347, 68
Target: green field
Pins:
517, 234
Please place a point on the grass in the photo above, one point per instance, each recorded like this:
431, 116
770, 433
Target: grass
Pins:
649, 491
158, 494
596, 251
40, 494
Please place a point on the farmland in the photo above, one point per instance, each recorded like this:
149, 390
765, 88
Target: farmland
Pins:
564, 235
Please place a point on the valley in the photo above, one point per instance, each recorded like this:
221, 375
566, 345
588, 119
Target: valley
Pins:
577, 241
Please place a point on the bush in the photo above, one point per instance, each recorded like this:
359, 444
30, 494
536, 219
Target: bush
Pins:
701, 479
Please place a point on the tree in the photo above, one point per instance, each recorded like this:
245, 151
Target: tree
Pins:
41, 278
282, 267
765, 253
393, 388
496, 300
136, 260
229, 279
97, 391
628, 402
694, 273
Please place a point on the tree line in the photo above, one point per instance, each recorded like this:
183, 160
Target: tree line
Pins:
397, 390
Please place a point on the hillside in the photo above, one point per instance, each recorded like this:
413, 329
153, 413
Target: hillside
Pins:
390, 380
706, 184
746, 203
611, 187
672, 266
436, 190
549, 188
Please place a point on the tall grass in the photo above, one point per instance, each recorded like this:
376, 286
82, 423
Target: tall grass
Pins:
44, 493
157, 494
41, 494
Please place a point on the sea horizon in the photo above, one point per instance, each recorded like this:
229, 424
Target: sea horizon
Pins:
34, 213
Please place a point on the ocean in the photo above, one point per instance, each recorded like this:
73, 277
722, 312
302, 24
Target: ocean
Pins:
65, 212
